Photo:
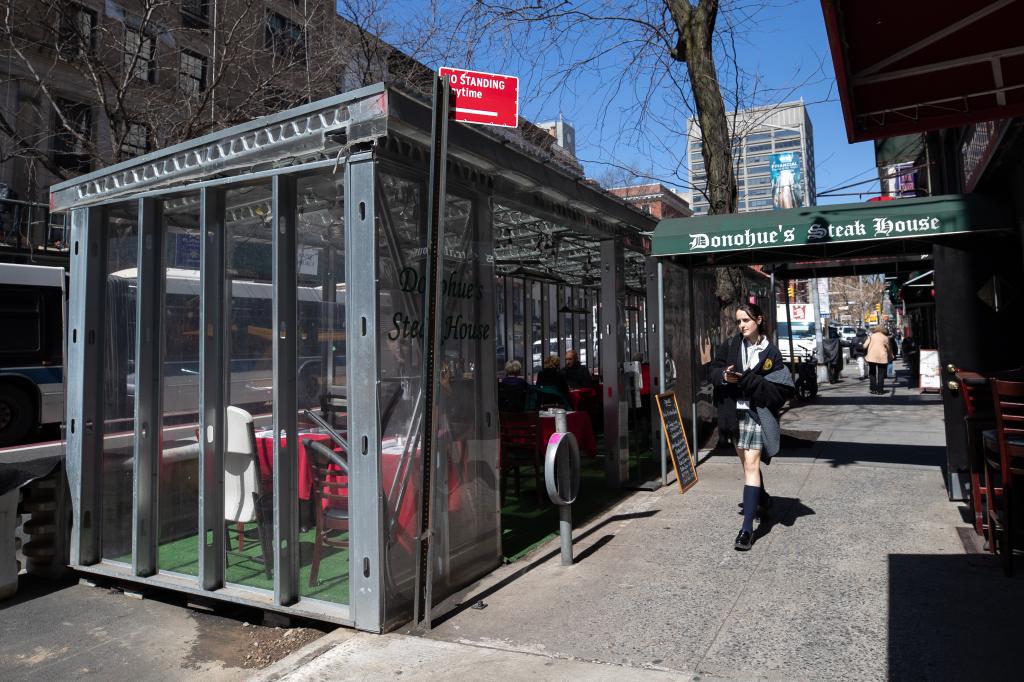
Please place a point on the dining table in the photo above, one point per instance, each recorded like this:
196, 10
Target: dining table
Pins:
265, 455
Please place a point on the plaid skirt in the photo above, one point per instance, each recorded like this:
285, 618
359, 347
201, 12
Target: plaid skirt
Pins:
750, 432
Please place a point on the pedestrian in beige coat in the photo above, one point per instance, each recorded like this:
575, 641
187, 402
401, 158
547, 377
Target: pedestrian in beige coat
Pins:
878, 356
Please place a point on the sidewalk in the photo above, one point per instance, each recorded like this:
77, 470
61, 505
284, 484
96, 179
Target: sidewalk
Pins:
865, 572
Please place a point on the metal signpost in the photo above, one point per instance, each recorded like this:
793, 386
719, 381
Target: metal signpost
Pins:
562, 479
431, 343
470, 97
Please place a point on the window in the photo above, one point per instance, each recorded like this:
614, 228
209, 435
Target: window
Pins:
23, 315
77, 31
138, 55
192, 73
136, 140
285, 38
71, 135
756, 170
195, 13
758, 137
755, 148
787, 144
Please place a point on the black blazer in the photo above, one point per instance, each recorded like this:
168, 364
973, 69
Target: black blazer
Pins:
751, 387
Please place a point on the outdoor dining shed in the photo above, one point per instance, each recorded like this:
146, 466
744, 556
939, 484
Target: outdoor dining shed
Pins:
244, 352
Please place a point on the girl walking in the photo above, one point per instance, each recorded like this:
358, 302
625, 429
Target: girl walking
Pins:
751, 386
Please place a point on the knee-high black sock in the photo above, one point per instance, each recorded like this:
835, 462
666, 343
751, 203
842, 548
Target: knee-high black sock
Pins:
750, 495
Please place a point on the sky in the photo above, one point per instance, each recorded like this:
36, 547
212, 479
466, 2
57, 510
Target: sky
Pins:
785, 46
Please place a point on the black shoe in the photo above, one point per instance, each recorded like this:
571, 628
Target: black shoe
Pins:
744, 541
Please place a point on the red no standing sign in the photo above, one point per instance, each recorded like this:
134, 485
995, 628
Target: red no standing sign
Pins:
478, 97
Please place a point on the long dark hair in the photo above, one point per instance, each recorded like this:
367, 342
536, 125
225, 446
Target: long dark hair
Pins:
753, 311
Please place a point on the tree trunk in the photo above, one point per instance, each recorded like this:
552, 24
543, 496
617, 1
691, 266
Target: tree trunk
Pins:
696, 25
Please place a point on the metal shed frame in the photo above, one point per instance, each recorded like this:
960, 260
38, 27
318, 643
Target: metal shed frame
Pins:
355, 133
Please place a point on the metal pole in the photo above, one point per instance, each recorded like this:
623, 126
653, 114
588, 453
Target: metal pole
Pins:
789, 331
432, 341
822, 369
565, 483
694, 381
661, 361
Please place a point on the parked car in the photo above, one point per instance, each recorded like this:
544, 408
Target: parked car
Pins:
847, 335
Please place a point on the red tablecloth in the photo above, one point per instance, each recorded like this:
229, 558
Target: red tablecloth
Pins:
579, 425
582, 398
265, 450
391, 456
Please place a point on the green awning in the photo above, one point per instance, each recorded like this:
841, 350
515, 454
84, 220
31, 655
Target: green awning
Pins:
823, 231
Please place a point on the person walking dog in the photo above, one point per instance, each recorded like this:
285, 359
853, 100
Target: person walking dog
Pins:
751, 386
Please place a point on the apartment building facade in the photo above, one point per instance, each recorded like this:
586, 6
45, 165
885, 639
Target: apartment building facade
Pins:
95, 82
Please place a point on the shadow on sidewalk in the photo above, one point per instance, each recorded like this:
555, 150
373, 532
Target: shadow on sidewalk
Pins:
842, 453
953, 618
31, 587
887, 398
785, 511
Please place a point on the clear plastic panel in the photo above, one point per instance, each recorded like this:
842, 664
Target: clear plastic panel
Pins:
121, 274
466, 516
499, 327
179, 456
536, 355
517, 320
322, 394
249, 456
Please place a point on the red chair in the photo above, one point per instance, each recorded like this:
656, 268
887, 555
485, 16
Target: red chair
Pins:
979, 416
521, 446
329, 475
1004, 459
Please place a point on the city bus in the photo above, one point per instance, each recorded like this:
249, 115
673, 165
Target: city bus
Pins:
250, 365
32, 309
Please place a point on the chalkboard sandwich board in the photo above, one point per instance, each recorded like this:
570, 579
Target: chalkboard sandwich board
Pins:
678, 446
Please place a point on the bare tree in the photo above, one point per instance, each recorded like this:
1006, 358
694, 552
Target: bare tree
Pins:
676, 61
858, 293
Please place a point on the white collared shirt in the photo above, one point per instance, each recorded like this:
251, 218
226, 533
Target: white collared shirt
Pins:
751, 358
752, 352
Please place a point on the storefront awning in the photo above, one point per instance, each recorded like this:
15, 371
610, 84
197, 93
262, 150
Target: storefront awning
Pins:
918, 65
837, 231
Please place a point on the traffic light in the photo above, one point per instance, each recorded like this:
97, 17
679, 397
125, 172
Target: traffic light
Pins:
791, 292
878, 307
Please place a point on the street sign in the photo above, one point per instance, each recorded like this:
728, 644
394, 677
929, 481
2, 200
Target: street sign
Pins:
487, 98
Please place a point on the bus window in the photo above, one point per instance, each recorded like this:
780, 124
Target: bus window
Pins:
23, 322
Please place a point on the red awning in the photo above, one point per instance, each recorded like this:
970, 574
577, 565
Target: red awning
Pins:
915, 65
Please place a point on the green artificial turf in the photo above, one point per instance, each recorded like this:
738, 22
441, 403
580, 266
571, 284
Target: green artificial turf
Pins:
243, 568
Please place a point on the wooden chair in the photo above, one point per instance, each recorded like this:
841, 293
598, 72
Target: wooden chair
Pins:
244, 501
979, 416
521, 446
330, 501
1004, 460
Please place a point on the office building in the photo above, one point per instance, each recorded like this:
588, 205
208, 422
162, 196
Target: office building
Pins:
773, 154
